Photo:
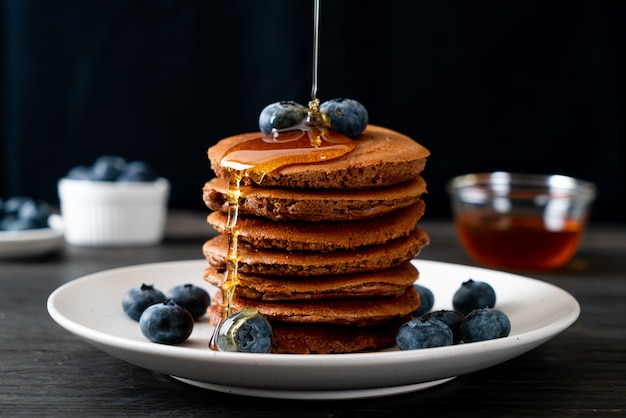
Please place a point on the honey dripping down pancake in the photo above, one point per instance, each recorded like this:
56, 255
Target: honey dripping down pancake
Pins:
301, 241
259, 157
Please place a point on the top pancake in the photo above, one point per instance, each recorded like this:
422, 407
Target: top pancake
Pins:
382, 157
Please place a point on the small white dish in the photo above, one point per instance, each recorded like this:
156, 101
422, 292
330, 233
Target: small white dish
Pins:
32, 242
90, 307
113, 214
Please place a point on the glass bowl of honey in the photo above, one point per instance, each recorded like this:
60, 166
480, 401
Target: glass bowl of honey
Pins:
520, 221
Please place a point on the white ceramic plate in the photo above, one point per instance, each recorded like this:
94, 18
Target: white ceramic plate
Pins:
32, 242
90, 307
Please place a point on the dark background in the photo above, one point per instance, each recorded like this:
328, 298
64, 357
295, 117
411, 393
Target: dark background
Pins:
526, 86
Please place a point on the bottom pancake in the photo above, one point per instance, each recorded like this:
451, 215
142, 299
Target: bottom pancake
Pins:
328, 339
299, 338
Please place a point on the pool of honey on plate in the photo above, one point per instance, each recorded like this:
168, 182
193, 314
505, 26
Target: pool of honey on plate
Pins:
518, 241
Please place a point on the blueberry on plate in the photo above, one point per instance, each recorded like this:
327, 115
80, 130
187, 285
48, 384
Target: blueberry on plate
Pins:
346, 116
485, 324
20, 213
193, 298
166, 323
138, 299
246, 331
452, 319
423, 333
427, 300
473, 295
107, 168
281, 115
37, 211
12, 205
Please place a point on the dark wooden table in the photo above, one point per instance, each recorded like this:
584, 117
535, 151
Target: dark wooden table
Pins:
47, 371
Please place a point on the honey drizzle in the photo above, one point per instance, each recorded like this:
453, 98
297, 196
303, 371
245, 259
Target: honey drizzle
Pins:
316, 49
264, 155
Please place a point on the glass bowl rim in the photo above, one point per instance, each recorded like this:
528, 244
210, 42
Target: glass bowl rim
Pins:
502, 182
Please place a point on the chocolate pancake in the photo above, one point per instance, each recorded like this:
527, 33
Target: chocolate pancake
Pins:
328, 339
315, 205
382, 157
322, 236
381, 283
312, 263
353, 311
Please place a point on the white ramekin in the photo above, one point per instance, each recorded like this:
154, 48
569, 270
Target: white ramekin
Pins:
113, 214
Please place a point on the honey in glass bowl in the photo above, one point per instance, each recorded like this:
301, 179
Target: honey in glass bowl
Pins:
520, 221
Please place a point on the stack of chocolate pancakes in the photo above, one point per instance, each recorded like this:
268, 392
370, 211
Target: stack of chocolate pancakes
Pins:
325, 248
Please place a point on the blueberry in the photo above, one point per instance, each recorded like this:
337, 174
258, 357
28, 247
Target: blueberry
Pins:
246, 331
11, 206
281, 115
36, 211
473, 295
423, 333
346, 116
137, 171
166, 323
427, 300
452, 319
107, 168
485, 324
193, 298
137, 299
20, 213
